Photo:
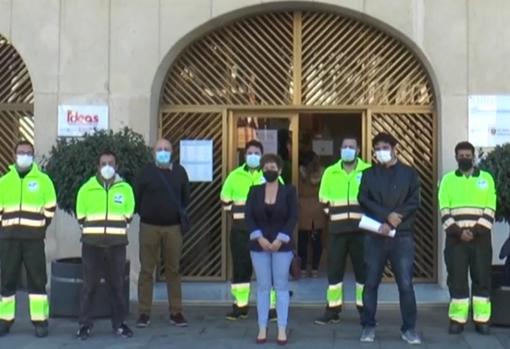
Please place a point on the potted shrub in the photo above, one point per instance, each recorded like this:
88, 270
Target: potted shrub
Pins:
497, 163
71, 162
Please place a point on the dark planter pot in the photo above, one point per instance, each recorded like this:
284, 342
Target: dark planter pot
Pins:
66, 285
500, 297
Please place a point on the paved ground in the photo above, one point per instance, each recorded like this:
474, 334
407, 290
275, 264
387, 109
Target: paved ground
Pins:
209, 330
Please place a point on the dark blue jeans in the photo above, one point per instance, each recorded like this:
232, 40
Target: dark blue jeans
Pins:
400, 252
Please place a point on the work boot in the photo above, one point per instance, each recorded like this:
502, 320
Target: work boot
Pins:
455, 327
483, 329
330, 316
41, 330
237, 313
5, 327
83, 333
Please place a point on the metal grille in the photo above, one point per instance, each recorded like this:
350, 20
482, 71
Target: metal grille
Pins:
416, 133
246, 63
16, 102
345, 61
202, 252
313, 58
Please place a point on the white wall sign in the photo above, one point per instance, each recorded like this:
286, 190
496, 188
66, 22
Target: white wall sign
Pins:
76, 120
269, 140
196, 156
489, 120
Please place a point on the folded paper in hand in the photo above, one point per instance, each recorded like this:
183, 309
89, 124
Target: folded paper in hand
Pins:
367, 223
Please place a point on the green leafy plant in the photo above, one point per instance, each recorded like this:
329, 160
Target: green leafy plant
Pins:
497, 162
72, 161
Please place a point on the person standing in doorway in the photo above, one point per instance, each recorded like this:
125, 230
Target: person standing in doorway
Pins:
233, 197
339, 193
27, 206
104, 209
271, 216
389, 193
162, 193
312, 219
467, 200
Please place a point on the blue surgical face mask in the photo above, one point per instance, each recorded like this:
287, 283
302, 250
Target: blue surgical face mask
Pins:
348, 154
163, 157
253, 160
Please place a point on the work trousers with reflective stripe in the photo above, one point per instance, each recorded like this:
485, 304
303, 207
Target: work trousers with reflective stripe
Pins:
96, 261
13, 254
339, 247
241, 265
475, 258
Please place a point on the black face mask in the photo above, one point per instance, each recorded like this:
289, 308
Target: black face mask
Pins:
465, 164
270, 175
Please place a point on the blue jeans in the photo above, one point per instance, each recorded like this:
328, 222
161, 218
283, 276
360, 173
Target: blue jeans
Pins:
400, 252
272, 270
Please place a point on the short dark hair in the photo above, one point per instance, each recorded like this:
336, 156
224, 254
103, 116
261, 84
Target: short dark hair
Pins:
107, 152
268, 158
23, 142
349, 137
464, 146
254, 143
385, 138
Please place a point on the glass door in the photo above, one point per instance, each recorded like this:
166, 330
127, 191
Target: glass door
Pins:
277, 131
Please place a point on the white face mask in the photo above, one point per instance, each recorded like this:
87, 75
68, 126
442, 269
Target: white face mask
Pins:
107, 172
24, 160
383, 156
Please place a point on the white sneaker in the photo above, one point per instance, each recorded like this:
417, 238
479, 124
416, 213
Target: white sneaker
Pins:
411, 337
367, 335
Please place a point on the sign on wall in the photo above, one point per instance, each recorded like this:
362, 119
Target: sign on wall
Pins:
269, 140
489, 120
196, 156
76, 120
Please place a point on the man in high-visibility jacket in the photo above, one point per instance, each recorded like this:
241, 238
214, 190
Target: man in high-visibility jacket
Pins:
339, 193
467, 200
233, 197
104, 209
27, 206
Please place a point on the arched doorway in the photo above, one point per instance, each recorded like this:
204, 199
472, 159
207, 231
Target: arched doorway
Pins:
296, 64
16, 102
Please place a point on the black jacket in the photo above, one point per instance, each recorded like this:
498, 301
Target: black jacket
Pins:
395, 189
280, 218
153, 201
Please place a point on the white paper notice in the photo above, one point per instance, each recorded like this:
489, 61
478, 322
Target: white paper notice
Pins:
196, 156
269, 139
367, 223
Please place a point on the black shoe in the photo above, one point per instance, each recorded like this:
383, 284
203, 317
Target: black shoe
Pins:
124, 331
143, 321
41, 330
455, 328
330, 316
178, 320
272, 315
5, 327
83, 333
237, 313
483, 329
